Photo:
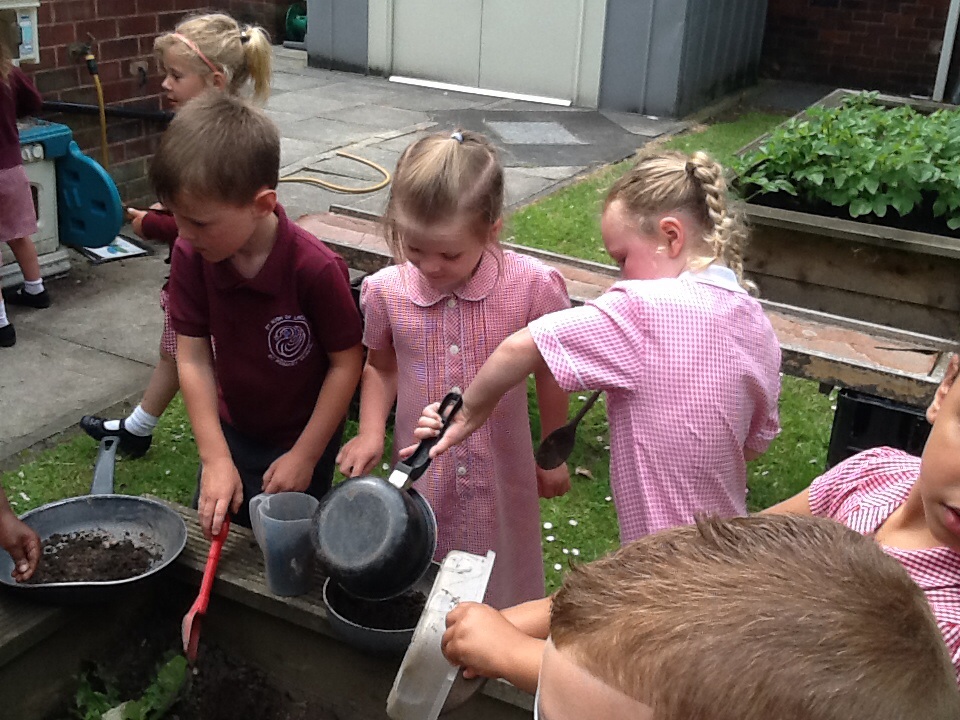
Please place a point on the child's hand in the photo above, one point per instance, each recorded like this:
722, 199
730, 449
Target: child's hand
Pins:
360, 454
553, 483
23, 544
291, 472
461, 427
480, 639
221, 491
135, 217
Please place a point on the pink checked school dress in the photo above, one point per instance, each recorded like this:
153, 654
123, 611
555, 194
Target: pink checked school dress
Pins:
18, 97
483, 491
691, 370
862, 492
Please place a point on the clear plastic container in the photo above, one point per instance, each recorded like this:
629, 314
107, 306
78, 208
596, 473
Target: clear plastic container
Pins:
426, 676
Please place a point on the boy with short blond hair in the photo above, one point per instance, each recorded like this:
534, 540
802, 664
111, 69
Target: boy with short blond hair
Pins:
268, 335
743, 619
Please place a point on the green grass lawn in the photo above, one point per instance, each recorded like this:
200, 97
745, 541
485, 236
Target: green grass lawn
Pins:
582, 524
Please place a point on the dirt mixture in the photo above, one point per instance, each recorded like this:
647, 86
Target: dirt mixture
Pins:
91, 557
399, 613
223, 689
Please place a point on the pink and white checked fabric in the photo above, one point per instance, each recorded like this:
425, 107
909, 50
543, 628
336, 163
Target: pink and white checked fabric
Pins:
484, 491
691, 370
862, 492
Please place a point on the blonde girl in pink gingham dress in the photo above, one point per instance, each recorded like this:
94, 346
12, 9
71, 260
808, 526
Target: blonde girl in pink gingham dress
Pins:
688, 360
430, 323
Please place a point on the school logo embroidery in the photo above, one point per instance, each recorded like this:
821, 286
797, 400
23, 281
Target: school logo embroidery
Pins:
289, 339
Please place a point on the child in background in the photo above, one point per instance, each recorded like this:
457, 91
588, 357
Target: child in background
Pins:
206, 51
430, 323
268, 406
741, 619
18, 539
689, 362
18, 216
910, 505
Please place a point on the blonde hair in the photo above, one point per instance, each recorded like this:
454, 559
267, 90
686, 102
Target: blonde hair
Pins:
668, 181
242, 54
218, 147
445, 178
756, 618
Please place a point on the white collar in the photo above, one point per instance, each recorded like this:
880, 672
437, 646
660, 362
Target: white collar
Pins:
715, 274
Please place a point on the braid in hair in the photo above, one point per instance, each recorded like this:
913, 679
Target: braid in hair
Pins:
728, 237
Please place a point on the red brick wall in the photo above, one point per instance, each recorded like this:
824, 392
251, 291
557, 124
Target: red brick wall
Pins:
888, 45
124, 31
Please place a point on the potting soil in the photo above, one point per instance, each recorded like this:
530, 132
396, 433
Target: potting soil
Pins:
91, 557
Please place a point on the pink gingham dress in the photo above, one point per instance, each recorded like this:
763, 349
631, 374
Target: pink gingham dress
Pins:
862, 492
691, 370
484, 491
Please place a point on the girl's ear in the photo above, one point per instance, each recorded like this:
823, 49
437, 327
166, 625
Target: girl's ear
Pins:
495, 229
219, 80
673, 233
949, 377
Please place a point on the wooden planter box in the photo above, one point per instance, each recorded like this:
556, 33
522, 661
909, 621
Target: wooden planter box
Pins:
898, 278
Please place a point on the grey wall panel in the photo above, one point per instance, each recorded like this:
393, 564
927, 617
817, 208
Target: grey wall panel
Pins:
337, 34
626, 46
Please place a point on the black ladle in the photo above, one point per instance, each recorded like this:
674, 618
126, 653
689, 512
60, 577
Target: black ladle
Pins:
376, 537
557, 446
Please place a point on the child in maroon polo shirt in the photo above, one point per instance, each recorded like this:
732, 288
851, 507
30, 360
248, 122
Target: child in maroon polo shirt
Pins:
268, 336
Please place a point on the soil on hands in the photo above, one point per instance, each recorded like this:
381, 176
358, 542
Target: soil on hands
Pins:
91, 557
398, 613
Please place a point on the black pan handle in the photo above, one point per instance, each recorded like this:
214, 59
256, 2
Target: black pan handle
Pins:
103, 470
415, 465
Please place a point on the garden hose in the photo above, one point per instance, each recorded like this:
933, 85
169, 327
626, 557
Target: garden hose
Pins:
91, 61
343, 188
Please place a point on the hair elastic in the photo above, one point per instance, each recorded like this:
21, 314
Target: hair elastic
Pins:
244, 36
690, 168
458, 136
193, 46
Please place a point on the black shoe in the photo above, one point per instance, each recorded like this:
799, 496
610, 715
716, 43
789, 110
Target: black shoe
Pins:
8, 336
131, 445
21, 297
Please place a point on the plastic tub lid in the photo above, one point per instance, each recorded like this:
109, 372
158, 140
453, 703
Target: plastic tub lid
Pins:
426, 676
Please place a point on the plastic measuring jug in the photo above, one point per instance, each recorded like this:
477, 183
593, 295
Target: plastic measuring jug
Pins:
282, 525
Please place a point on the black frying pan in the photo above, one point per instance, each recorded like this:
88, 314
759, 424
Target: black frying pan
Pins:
146, 522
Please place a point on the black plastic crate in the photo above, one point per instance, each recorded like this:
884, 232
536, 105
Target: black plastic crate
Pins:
864, 421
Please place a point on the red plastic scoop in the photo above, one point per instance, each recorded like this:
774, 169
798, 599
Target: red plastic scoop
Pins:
190, 629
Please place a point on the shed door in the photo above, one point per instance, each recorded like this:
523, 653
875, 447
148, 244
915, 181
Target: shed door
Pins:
528, 46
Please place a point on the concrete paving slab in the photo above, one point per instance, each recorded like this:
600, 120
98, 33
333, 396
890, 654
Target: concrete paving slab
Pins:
309, 103
377, 117
521, 187
290, 81
325, 131
294, 149
649, 126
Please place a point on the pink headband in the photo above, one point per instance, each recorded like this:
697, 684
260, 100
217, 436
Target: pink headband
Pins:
193, 46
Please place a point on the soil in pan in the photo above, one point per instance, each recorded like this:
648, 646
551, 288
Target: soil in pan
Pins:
91, 557
399, 613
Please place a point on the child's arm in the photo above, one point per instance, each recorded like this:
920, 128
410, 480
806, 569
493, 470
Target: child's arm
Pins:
514, 359
485, 643
18, 539
220, 486
294, 469
531, 618
799, 504
378, 392
554, 404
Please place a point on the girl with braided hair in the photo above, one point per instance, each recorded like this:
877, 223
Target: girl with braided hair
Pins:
688, 360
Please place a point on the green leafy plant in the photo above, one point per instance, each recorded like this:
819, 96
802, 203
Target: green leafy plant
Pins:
863, 156
157, 699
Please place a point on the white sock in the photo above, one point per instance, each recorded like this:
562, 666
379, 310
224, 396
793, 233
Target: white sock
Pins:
33, 287
140, 422
3, 315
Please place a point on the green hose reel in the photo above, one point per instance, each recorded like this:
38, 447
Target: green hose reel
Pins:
297, 21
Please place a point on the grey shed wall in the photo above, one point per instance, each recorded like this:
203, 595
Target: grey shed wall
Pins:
669, 57
337, 34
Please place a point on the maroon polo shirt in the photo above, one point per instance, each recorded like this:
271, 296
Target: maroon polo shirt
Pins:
272, 332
